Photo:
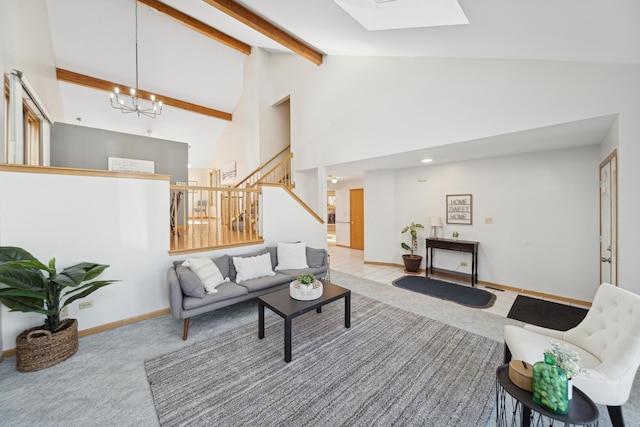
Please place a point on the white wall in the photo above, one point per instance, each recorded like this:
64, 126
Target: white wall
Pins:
121, 222
544, 206
380, 210
26, 44
352, 108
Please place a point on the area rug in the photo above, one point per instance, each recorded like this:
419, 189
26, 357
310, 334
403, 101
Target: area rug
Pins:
547, 314
392, 367
464, 295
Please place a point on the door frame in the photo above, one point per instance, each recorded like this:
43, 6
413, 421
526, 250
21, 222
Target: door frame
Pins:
611, 158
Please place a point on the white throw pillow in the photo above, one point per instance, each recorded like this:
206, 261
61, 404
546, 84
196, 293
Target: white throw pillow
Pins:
252, 267
292, 256
208, 272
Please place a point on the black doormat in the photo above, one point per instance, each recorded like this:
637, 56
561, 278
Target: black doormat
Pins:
547, 314
464, 295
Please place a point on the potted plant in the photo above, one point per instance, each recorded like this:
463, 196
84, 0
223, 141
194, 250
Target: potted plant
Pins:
412, 261
455, 235
30, 286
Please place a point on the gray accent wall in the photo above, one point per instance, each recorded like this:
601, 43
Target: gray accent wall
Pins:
82, 147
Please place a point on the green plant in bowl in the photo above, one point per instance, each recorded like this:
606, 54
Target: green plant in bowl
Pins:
306, 279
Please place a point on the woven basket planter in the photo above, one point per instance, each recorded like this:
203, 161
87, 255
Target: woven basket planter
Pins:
37, 348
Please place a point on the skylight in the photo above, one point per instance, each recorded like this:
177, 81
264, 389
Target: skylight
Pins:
396, 14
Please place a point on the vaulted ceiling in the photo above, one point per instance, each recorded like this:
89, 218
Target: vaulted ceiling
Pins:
193, 50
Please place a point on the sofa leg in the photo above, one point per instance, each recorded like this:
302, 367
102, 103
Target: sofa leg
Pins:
185, 334
507, 354
615, 413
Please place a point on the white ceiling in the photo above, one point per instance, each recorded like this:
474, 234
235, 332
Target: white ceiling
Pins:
96, 38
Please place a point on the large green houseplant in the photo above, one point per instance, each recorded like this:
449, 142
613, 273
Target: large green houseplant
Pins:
411, 260
29, 286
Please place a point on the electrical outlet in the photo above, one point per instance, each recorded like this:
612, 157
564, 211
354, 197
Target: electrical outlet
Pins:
488, 220
463, 263
65, 311
85, 304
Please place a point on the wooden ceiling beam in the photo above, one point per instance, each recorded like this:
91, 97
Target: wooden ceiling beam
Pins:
258, 23
95, 83
198, 26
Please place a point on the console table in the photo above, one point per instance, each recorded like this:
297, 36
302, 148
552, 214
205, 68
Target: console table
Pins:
453, 245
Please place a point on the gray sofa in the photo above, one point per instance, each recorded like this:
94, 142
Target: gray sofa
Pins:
185, 306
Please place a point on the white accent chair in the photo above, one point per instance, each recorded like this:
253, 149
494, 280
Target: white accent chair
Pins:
607, 340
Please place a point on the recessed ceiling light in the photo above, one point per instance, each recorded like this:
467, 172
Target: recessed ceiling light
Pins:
427, 160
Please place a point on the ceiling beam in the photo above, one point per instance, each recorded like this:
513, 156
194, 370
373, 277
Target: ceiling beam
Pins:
198, 26
94, 83
265, 27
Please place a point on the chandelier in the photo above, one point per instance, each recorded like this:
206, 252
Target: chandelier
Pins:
155, 109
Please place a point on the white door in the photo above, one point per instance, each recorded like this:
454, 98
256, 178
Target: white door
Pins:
609, 220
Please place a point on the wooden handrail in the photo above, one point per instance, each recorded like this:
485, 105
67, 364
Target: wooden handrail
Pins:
282, 162
256, 171
296, 198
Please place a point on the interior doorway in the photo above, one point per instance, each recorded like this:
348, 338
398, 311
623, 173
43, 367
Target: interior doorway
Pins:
331, 217
356, 208
609, 219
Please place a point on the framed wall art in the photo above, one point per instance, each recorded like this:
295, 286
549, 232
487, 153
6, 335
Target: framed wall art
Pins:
459, 209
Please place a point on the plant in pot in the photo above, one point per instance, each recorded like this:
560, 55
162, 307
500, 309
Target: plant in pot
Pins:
411, 260
29, 286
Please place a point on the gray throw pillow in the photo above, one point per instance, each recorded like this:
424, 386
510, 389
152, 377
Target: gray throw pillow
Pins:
315, 257
223, 265
189, 282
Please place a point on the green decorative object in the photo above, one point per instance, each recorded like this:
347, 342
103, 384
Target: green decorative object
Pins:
306, 279
550, 385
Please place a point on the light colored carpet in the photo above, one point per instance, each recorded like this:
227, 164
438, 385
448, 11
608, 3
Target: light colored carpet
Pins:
105, 383
392, 367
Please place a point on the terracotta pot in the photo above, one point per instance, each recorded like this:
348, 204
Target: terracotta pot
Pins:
412, 262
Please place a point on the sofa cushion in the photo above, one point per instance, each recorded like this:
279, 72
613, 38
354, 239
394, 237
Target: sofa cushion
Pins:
207, 271
316, 271
190, 283
291, 256
232, 268
265, 282
223, 265
248, 268
225, 291
315, 257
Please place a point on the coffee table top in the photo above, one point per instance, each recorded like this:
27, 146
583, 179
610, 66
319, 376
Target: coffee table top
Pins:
282, 303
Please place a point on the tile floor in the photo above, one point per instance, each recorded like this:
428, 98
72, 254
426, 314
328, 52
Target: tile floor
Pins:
351, 261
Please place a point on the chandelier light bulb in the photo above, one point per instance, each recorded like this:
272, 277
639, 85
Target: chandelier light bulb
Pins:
152, 111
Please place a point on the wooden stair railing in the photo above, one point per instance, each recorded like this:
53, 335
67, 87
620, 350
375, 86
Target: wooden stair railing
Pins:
250, 179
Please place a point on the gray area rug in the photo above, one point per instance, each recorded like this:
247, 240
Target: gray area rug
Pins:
392, 367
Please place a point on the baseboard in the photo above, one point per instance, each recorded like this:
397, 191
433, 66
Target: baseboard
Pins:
105, 327
391, 264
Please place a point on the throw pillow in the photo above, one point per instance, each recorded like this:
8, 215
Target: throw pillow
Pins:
208, 273
190, 283
315, 257
292, 256
248, 268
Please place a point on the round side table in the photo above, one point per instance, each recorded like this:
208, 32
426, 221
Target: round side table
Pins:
515, 406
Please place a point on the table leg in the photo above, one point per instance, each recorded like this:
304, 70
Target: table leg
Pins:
347, 311
526, 416
260, 320
319, 310
287, 340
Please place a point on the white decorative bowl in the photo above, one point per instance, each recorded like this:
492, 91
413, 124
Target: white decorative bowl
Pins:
305, 292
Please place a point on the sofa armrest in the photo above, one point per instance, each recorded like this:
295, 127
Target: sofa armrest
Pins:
175, 293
